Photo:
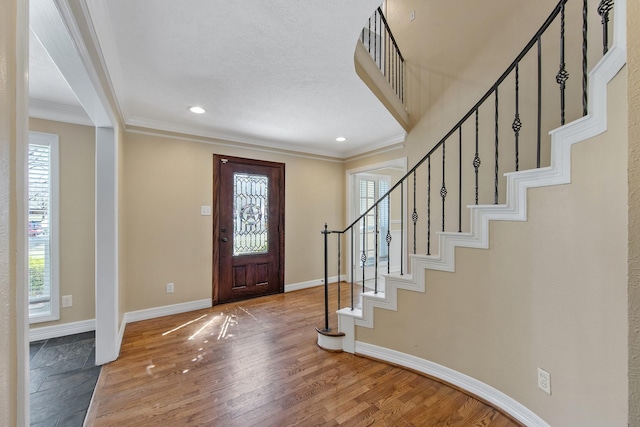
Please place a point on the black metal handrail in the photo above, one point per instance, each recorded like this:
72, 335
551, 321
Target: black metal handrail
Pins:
378, 39
514, 69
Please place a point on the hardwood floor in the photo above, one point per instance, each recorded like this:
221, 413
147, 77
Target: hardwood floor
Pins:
257, 363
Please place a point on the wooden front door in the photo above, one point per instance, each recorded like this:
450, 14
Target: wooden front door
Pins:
248, 228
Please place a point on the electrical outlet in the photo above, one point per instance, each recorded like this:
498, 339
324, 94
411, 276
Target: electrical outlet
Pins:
544, 381
67, 301
170, 288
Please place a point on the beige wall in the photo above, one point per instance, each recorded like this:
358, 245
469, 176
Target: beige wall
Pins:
167, 180
545, 295
77, 217
633, 64
444, 80
8, 215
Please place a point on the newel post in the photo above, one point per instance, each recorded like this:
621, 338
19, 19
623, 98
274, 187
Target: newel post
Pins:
326, 278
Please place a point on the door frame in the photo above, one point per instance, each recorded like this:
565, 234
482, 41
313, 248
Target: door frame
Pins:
218, 159
399, 163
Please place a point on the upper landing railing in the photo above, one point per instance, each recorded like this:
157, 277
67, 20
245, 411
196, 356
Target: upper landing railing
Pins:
379, 42
505, 131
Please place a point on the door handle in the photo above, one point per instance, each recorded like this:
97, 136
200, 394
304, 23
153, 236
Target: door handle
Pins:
224, 239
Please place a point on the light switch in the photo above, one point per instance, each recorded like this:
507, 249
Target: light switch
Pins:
205, 210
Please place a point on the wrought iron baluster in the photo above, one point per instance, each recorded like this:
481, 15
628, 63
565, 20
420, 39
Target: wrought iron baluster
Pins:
339, 236
460, 179
563, 75
402, 228
414, 215
402, 82
369, 36
604, 8
397, 74
517, 124
363, 257
375, 280
539, 138
495, 180
443, 189
375, 36
353, 264
388, 237
584, 58
387, 60
429, 205
476, 158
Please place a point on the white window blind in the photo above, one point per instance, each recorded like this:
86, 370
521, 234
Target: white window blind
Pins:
42, 200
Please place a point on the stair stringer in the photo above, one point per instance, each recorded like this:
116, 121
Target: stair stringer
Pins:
515, 209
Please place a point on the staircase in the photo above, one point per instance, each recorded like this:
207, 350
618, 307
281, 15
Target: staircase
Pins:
592, 123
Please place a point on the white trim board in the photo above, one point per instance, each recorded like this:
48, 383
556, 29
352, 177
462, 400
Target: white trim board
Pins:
311, 283
477, 388
55, 331
166, 310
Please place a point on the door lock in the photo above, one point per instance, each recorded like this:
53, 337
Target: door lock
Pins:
224, 239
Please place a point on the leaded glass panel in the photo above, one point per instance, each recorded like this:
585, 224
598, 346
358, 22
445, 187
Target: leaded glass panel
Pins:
250, 214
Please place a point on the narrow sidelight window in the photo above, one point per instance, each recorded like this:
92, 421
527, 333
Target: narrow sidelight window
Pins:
42, 224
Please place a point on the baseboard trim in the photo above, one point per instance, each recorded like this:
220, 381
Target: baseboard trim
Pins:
55, 331
475, 387
166, 310
311, 283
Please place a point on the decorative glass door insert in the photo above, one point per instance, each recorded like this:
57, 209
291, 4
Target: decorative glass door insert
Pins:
250, 214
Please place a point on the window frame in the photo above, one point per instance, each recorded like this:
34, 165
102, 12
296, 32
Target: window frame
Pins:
382, 245
51, 140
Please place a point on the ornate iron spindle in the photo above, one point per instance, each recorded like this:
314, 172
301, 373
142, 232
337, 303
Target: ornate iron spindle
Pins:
375, 36
369, 36
584, 58
414, 215
517, 124
339, 236
495, 180
363, 256
386, 56
460, 179
563, 75
402, 228
443, 189
388, 237
476, 158
402, 81
539, 140
353, 265
429, 205
603, 10
375, 257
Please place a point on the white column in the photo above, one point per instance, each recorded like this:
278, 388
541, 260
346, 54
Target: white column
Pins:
107, 342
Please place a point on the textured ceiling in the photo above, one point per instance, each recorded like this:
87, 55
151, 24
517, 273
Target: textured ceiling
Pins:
277, 73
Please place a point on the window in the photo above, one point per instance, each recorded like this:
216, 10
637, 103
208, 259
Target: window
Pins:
370, 189
42, 200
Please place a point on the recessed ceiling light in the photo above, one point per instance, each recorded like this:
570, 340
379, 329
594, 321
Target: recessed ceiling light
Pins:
341, 139
196, 110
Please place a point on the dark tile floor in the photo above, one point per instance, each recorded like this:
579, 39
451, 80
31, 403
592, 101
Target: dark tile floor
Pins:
63, 376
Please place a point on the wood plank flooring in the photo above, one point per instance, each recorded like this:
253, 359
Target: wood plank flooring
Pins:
257, 363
